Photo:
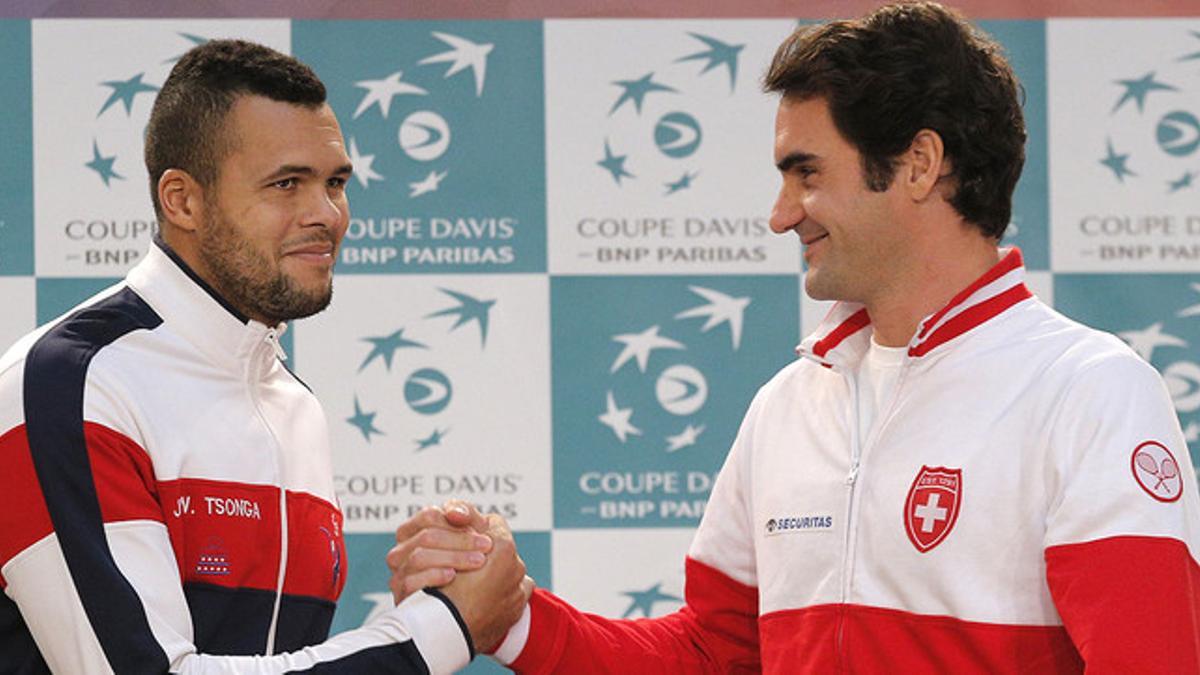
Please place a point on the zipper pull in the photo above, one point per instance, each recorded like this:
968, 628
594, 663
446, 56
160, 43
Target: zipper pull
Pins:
853, 474
273, 340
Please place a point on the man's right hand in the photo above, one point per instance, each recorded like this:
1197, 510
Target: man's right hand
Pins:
436, 544
492, 598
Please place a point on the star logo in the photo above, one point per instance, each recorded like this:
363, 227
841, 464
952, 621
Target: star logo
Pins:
464, 54
429, 184
124, 91
363, 421
684, 182
103, 166
685, 438
1136, 90
385, 348
433, 440
1194, 55
1182, 182
618, 419
1146, 340
363, 166
468, 309
718, 54
644, 601
614, 164
635, 91
639, 345
190, 37
381, 93
1194, 310
1117, 163
720, 309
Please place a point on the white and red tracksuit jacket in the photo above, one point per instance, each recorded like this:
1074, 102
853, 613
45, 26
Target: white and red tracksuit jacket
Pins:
1025, 504
169, 502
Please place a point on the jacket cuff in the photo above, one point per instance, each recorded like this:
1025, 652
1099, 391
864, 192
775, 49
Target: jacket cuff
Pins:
437, 631
514, 641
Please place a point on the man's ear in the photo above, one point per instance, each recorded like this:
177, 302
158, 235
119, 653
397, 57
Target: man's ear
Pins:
182, 199
926, 164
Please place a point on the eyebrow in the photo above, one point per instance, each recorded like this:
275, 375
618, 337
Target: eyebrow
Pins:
792, 159
292, 169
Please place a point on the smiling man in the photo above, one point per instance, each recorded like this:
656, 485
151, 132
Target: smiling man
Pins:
170, 501
953, 478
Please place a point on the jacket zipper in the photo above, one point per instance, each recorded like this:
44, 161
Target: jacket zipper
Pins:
858, 448
271, 339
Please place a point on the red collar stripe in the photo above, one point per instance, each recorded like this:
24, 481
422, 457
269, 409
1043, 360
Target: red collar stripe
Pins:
1007, 264
856, 322
972, 317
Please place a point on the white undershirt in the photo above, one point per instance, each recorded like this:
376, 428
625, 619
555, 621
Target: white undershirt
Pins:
877, 376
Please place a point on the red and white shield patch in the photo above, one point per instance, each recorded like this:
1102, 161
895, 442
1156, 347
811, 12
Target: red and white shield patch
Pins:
932, 506
1156, 471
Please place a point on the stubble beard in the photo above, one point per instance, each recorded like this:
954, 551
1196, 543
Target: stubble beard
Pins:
251, 280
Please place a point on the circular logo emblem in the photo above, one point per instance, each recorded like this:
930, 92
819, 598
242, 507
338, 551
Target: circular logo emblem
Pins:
677, 135
770, 526
427, 391
1178, 133
1155, 469
424, 135
681, 390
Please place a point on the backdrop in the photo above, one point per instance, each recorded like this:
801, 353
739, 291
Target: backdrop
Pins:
558, 292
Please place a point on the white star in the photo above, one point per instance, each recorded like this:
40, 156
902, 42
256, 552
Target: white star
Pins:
639, 345
685, 438
380, 603
1192, 433
721, 308
1194, 310
382, 91
362, 165
429, 184
465, 54
617, 419
1144, 341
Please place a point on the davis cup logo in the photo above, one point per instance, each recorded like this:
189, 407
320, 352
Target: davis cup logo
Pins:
932, 506
1155, 469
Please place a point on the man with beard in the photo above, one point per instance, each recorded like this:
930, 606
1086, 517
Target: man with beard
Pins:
169, 494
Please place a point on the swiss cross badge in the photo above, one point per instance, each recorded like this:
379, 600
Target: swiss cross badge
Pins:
932, 506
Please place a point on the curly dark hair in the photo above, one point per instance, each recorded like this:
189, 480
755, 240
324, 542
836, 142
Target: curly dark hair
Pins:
186, 129
908, 67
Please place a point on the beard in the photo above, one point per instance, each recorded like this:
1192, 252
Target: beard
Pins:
252, 280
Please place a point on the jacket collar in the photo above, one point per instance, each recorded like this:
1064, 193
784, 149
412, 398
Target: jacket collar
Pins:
200, 315
843, 336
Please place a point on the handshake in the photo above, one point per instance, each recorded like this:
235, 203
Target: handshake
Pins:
472, 559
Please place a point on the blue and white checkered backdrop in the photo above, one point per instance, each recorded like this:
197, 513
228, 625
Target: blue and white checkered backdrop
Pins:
558, 292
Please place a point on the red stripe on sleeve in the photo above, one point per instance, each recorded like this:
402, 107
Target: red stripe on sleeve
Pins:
716, 632
1130, 604
24, 519
123, 475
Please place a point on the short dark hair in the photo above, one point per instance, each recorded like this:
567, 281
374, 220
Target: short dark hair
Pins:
913, 66
186, 129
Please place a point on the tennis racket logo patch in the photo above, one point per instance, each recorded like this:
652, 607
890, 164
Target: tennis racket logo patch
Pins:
1155, 469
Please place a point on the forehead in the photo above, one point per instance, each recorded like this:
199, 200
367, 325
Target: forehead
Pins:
276, 132
806, 126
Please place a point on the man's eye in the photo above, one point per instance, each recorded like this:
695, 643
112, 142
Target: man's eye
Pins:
337, 182
285, 184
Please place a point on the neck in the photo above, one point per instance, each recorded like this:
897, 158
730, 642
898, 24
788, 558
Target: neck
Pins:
926, 285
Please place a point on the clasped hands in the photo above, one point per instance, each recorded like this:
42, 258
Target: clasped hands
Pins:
471, 558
